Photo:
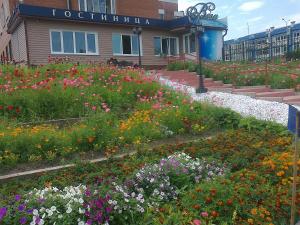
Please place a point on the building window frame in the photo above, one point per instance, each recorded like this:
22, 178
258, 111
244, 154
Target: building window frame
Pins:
131, 44
86, 33
188, 36
84, 8
169, 46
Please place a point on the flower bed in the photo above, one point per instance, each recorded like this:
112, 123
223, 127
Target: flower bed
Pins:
216, 181
278, 76
115, 108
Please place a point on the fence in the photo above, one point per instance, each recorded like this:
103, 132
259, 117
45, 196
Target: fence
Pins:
261, 49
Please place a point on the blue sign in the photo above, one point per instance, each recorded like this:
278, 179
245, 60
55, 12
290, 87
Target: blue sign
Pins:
52, 13
292, 119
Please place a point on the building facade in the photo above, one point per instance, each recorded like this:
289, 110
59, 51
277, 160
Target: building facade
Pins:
264, 45
96, 30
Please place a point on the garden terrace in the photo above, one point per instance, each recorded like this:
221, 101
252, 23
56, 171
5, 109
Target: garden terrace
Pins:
218, 180
68, 112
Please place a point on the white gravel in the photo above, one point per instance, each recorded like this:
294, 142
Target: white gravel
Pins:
245, 105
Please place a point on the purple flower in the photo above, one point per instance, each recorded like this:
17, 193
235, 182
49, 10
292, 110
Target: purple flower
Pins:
3, 212
37, 220
21, 207
29, 211
108, 209
23, 220
18, 198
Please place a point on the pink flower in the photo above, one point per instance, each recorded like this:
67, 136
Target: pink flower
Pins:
107, 110
94, 108
196, 222
204, 214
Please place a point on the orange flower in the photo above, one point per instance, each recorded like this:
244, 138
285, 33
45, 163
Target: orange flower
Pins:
280, 173
254, 211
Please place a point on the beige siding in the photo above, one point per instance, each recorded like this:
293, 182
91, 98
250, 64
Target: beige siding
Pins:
39, 42
18, 41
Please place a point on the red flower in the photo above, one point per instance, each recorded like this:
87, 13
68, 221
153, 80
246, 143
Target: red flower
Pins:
10, 107
18, 110
1, 107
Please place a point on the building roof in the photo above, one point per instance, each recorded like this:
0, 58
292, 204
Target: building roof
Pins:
259, 35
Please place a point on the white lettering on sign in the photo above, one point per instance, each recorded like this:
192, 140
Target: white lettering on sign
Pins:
116, 19
104, 17
68, 14
80, 15
137, 20
92, 16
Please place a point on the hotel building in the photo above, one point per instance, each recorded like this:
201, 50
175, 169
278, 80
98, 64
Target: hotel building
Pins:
96, 30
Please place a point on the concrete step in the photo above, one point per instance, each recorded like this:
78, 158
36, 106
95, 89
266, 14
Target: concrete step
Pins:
257, 86
213, 85
250, 94
220, 89
297, 103
257, 89
272, 99
292, 98
275, 94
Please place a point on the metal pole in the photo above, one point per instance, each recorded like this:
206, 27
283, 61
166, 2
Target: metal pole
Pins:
295, 172
139, 43
201, 88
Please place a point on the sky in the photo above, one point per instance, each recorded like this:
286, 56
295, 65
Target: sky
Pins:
259, 14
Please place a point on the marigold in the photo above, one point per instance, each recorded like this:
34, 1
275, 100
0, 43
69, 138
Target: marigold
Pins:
254, 211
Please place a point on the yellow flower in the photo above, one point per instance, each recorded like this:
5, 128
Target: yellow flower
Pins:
254, 211
280, 173
250, 221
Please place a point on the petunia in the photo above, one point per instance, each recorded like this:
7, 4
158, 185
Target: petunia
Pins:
23, 220
3, 212
18, 197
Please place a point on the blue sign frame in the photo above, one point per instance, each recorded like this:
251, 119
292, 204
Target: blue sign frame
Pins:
102, 18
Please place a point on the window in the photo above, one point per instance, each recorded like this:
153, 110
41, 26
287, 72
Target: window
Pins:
165, 46
98, 6
161, 13
125, 44
189, 43
73, 42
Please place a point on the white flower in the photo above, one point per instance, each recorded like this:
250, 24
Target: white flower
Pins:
81, 223
69, 210
81, 201
110, 202
35, 212
81, 211
50, 213
53, 208
60, 216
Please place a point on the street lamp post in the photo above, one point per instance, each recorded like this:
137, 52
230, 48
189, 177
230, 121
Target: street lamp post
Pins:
198, 31
138, 32
269, 41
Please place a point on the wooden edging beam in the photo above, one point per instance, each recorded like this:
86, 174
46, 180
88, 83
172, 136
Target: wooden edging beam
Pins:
101, 159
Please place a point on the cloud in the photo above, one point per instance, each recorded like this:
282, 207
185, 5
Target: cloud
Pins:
250, 6
255, 19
